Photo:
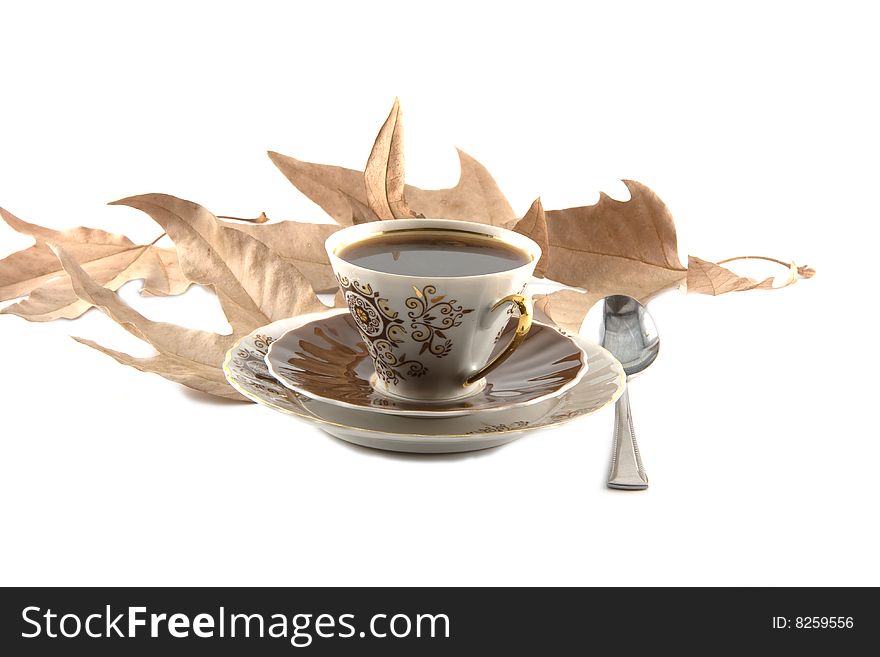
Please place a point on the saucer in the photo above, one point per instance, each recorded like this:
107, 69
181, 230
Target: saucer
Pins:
246, 371
326, 359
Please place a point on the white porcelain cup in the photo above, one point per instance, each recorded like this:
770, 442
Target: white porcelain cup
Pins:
431, 336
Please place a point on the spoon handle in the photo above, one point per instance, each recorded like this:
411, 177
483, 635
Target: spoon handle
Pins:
627, 472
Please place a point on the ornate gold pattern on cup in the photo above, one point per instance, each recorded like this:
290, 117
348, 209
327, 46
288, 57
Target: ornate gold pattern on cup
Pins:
431, 334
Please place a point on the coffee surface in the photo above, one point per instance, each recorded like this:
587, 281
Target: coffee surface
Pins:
434, 253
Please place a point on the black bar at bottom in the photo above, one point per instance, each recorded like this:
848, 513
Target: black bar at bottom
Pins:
431, 621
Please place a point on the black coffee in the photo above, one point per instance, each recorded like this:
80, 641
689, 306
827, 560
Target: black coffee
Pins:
434, 253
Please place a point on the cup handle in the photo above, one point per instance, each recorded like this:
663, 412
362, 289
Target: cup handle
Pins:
524, 306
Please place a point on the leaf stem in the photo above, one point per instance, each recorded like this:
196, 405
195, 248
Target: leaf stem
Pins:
157, 239
256, 220
803, 271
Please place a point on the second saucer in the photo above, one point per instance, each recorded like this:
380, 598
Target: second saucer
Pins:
326, 359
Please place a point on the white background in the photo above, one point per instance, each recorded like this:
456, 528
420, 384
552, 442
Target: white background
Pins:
756, 124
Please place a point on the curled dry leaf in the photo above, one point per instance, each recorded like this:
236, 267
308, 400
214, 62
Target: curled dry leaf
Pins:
360, 213
254, 284
706, 277
187, 356
613, 247
57, 299
259, 219
324, 184
383, 175
300, 243
476, 197
112, 260
534, 225
566, 308
177, 283
204, 378
616, 242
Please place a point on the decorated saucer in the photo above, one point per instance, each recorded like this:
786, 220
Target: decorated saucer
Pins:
325, 359
246, 371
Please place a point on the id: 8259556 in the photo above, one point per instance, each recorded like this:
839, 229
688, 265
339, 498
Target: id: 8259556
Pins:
814, 623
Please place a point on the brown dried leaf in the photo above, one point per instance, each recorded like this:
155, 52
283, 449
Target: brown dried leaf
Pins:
168, 280
534, 225
704, 277
255, 285
383, 175
360, 213
566, 308
57, 299
191, 344
193, 375
324, 184
185, 355
259, 219
613, 247
476, 197
113, 260
25, 270
301, 243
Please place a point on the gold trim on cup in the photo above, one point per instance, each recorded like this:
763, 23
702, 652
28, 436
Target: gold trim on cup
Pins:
524, 306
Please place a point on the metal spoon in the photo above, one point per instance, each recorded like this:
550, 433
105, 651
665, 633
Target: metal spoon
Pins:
625, 328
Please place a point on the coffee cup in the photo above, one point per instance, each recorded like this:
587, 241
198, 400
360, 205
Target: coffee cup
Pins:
431, 298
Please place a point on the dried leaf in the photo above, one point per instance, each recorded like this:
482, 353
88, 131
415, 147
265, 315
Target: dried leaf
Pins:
383, 175
476, 197
613, 247
324, 184
706, 277
185, 355
259, 219
360, 213
255, 286
191, 344
113, 260
190, 374
566, 308
172, 282
534, 225
57, 299
301, 243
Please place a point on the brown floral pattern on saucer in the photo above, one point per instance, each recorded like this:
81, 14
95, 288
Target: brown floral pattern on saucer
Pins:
246, 371
327, 360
